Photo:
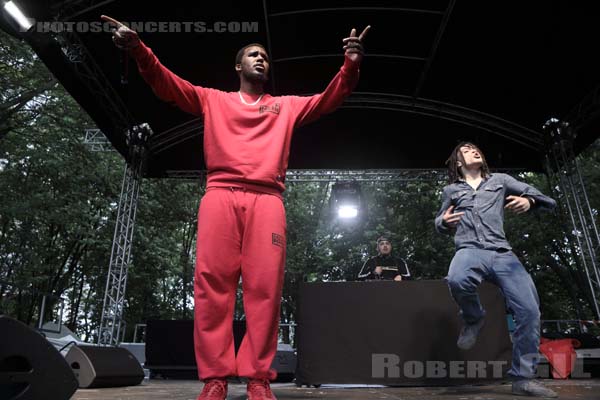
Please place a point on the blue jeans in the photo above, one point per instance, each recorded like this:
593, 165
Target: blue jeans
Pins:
469, 268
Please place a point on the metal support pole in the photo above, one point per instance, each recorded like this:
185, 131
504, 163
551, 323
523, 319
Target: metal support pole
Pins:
569, 188
116, 282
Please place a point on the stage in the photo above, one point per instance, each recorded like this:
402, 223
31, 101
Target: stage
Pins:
189, 390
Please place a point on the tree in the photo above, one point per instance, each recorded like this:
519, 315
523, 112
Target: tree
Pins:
58, 203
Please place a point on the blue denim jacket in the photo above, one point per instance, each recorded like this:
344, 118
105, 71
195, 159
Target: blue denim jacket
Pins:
482, 225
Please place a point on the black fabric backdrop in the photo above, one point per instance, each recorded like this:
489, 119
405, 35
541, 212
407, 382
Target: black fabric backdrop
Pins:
342, 325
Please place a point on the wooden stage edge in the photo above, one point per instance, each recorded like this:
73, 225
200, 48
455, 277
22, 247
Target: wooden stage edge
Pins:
189, 390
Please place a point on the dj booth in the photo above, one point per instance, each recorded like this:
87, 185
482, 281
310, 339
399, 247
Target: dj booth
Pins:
395, 333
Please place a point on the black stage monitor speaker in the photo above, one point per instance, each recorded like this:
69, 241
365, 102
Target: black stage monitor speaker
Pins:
104, 366
30, 367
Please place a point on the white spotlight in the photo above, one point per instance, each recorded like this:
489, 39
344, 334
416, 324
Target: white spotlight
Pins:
348, 211
15, 12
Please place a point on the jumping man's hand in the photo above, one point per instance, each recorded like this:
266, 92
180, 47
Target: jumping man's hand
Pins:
517, 204
353, 45
452, 219
123, 37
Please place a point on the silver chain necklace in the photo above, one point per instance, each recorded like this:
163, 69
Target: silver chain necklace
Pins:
249, 104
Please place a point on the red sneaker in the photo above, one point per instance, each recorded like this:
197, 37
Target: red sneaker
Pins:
259, 389
214, 389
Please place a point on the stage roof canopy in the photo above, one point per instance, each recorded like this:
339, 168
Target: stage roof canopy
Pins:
436, 72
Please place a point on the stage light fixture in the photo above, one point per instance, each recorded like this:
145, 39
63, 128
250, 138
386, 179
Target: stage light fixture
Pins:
350, 211
346, 201
15, 12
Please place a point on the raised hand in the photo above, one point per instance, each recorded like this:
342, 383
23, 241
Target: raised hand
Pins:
450, 218
123, 37
353, 45
517, 204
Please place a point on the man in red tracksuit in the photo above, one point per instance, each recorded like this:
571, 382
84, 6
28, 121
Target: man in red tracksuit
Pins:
241, 222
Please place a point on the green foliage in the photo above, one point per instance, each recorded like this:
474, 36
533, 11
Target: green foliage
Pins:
58, 203
160, 279
58, 207
403, 210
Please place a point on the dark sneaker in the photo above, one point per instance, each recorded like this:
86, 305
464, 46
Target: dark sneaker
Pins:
214, 389
259, 389
529, 387
468, 335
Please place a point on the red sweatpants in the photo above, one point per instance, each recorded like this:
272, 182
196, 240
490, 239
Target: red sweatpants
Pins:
239, 233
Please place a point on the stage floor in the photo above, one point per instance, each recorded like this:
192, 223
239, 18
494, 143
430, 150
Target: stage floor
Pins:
189, 390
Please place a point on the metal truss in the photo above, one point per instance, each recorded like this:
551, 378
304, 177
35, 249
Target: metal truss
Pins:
69, 9
176, 135
367, 175
434, 47
585, 111
96, 140
569, 187
92, 77
194, 174
529, 138
114, 298
375, 175
321, 175
413, 103
427, 61
450, 112
362, 9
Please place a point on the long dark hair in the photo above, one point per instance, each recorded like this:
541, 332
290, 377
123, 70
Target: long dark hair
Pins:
454, 172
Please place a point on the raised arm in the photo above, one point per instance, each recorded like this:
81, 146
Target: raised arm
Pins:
165, 84
311, 108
